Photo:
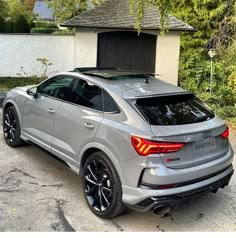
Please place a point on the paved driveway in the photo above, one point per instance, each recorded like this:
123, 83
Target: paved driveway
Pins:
39, 193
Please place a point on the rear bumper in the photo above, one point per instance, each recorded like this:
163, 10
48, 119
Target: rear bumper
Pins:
162, 175
145, 200
173, 200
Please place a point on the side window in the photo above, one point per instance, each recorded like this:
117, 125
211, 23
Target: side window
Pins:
57, 87
109, 104
88, 95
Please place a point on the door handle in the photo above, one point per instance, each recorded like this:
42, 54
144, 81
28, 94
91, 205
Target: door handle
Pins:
51, 111
89, 126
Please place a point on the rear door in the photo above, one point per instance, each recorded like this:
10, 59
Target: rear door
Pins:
185, 119
77, 121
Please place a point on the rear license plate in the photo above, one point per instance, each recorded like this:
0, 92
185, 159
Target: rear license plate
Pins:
205, 145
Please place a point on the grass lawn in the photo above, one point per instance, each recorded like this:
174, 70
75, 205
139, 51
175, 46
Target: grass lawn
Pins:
7, 83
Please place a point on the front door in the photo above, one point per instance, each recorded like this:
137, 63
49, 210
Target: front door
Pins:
39, 113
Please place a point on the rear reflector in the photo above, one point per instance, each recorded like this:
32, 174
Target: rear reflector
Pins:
166, 186
146, 147
225, 134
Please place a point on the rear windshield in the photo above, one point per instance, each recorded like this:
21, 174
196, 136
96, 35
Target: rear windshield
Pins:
174, 110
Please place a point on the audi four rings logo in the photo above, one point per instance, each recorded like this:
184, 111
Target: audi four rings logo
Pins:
206, 134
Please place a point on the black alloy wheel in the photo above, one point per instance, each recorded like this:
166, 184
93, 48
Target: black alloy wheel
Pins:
11, 127
102, 187
98, 186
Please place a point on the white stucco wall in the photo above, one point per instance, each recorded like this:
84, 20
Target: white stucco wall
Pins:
68, 52
86, 49
167, 57
19, 50
167, 52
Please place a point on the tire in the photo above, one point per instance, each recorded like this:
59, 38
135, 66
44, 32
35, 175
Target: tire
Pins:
102, 187
11, 128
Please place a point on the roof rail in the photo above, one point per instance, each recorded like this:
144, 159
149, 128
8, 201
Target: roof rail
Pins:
86, 69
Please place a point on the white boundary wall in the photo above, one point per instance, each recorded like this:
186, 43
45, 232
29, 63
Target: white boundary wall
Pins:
69, 52
167, 57
22, 50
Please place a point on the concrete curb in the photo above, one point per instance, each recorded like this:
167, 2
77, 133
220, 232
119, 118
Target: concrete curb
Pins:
2, 97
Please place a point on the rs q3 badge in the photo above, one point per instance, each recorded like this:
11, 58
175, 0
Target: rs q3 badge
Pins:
168, 160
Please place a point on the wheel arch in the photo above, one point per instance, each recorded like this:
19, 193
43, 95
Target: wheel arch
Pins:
94, 147
10, 103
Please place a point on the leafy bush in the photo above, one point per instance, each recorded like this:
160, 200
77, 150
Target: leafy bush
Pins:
63, 32
195, 76
194, 72
21, 25
7, 83
43, 30
224, 112
223, 103
2, 24
43, 24
226, 96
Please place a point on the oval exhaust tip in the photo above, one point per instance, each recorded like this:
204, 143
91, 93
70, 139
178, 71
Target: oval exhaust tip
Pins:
162, 210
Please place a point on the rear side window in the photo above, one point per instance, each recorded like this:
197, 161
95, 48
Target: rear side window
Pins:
109, 104
87, 95
174, 110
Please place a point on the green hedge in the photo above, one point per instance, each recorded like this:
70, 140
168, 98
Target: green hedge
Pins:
21, 25
9, 26
46, 25
40, 30
2, 24
64, 33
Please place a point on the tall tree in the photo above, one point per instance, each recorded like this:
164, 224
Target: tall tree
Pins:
64, 10
3, 8
30, 4
16, 7
21, 25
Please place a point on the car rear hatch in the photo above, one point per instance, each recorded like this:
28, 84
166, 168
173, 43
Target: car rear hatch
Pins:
184, 119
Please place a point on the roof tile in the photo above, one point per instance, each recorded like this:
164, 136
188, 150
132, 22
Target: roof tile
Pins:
116, 14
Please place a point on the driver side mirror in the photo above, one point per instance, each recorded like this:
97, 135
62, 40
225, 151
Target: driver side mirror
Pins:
33, 91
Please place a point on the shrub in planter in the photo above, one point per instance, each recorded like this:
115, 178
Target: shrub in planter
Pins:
43, 30
21, 25
2, 24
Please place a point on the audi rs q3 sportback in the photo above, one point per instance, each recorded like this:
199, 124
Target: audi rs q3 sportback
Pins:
137, 141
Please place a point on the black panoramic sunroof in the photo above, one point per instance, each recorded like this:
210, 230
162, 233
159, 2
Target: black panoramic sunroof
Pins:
86, 69
113, 73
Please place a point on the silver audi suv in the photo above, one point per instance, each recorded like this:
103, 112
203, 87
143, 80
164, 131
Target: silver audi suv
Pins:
137, 141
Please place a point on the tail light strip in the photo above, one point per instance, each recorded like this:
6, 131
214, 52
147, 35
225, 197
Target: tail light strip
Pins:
146, 147
225, 134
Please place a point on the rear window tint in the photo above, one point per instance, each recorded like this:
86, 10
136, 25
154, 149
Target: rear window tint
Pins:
109, 104
174, 110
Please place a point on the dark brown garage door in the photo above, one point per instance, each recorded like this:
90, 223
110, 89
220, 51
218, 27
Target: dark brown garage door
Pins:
127, 50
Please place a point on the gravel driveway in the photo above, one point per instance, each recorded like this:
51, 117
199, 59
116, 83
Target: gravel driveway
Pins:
39, 193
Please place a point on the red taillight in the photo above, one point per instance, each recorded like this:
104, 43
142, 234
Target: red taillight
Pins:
146, 147
225, 134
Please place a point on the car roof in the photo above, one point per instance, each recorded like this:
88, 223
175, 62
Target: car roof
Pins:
129, 84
